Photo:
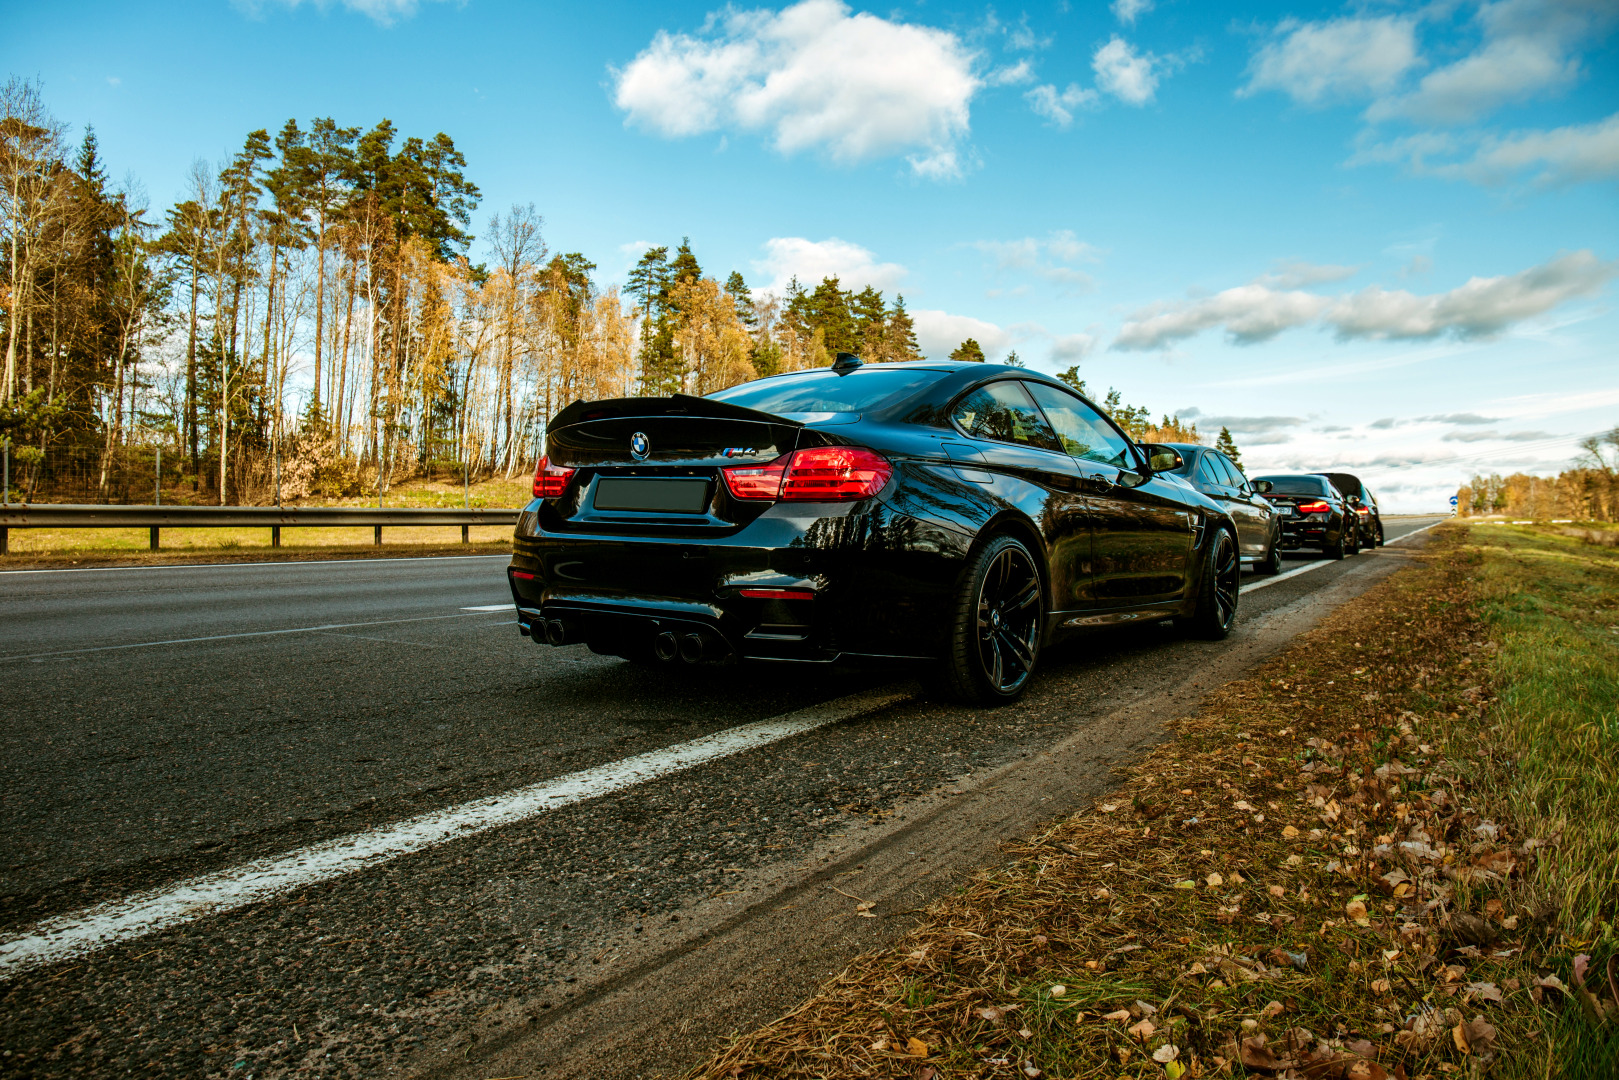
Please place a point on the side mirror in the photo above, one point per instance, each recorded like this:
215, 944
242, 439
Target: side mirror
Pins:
1162, 458
1264, 487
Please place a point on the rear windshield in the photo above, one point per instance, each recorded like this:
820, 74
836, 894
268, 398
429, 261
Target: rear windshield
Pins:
825, 391
1297, 485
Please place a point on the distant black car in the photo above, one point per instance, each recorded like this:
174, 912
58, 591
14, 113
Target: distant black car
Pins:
965, 514
1259, 527
1313, 513
1360, 497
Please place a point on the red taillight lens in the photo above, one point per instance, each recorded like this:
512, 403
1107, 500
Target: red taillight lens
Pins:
835, 472
1314, 508
779, 594
755, 482
820, 474
549, 480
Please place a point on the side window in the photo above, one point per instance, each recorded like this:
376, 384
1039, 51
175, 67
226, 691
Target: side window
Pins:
1234, 475
1210, 471
1084, 432
1003, 412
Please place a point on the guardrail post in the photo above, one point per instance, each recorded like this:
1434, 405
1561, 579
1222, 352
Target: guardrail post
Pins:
464, 533
5, 541
377, 535
153, 539
275, 536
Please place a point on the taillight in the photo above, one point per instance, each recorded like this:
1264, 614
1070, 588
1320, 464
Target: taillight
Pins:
779, 594
1317, 507
835, 472
819, 474
755, 481
549, 480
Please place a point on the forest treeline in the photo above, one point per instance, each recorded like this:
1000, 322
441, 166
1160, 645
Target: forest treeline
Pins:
1587, 492
306, 320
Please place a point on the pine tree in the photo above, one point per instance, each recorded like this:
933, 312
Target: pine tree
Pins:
1071, 377
1228, 446
899, 337
742, 296
829, 312
684, 268
968, 351
1014, 360
870, 322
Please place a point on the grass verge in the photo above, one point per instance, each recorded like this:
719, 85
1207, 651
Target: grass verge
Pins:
1346, 867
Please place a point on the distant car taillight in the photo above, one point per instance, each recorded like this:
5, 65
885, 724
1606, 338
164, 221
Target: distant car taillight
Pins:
819, 474
549, 480
1317, 507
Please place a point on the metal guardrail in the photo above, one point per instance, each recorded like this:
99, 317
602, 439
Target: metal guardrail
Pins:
274, 518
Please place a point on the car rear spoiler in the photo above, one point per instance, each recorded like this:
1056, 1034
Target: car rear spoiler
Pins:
674, 405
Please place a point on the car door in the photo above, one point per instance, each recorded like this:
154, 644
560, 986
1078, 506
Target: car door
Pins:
1247, 509
1012, 438
1141, 540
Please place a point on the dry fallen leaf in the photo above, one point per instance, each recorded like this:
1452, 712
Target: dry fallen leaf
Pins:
1355, 909
1117, 1014
1058, 990
1142, 1029
1381, 986
916, 1047
1272, 1009
1289, 833
1025, 1033
1165, 1054
1197, 969
1277, 891
1215, 881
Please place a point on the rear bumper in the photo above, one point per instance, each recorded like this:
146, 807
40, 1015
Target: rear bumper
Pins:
1297, 532
881, 583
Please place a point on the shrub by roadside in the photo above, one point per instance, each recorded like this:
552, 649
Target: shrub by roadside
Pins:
1326, 873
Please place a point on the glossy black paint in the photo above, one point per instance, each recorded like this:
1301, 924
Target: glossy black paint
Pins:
1327, 531
1364, 503
1113, 544
1259, 528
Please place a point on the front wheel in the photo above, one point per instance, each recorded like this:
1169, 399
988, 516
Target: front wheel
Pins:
1217, 591
995, 629
1336, 550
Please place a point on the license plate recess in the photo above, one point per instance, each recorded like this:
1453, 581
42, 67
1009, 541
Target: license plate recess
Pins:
647, 495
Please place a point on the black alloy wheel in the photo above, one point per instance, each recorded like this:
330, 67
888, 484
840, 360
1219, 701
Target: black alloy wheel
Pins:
1217, 590
1336, 550
995, 639
1273, 561
1353, 547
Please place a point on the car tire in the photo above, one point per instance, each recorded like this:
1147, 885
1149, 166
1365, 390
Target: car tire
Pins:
997, 621
1353, 547
1217, 590
1335, 551
1379, 534
1272, 563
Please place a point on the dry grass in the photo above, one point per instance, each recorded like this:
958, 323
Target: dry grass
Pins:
1309, 880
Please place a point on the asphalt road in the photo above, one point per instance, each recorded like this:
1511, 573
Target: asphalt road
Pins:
164, 723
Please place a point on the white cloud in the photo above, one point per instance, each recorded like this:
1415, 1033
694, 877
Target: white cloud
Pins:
812, 76
384, 12
1295, 273
1495, 436
1244, 425
939, 332
1072, 348
1249, 313
1128, 11
811, 260
1528, 47
1045, 257
1020, 72
1058, 107
1480, 308
1333, 59
1564, 155
1130, 76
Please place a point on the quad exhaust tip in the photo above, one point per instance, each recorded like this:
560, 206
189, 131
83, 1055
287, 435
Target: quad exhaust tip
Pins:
692, 647
556, 631
666, 646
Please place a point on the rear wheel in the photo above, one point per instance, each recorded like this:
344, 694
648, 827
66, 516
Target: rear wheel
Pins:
1354, 541
1217, 591
1335, 550
1272, 563
995, 633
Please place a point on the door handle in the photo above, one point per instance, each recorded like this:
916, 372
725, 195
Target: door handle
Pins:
1099, 483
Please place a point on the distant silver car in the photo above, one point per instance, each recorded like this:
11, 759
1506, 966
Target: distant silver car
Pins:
1259, 528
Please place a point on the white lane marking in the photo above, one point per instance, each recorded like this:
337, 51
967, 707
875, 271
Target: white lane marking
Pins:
239, 565
1307, 567
490, 607
84, 932
227, 637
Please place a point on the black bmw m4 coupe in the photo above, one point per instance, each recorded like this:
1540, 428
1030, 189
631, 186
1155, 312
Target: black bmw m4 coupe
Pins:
963, 514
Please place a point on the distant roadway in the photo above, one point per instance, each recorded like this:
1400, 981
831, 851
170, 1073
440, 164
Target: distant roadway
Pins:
193, 725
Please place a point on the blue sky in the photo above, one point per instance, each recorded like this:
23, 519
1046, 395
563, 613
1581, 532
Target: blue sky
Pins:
1375, 236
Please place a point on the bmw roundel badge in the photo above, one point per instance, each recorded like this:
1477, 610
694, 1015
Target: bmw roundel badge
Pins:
640, 446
